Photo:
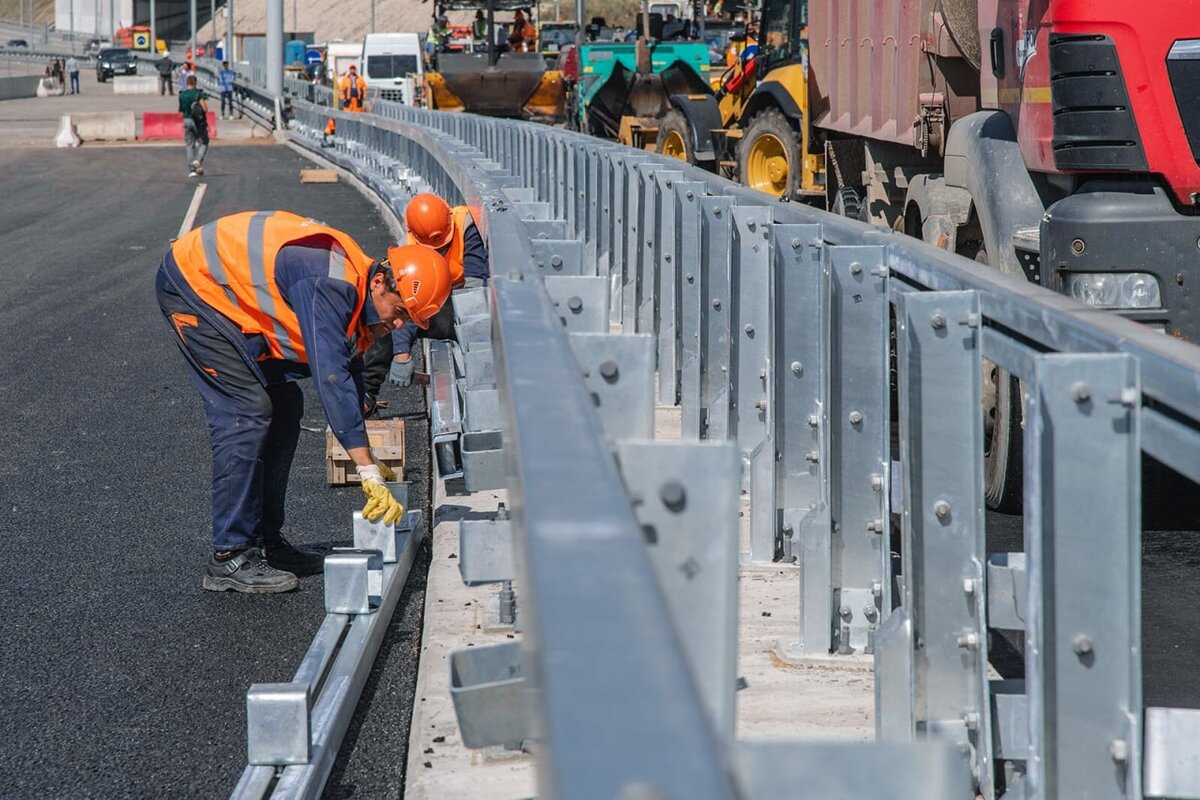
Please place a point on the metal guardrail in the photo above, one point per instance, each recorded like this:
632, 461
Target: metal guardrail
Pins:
769, 326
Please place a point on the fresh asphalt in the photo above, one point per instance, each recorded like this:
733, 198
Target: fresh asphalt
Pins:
119, 675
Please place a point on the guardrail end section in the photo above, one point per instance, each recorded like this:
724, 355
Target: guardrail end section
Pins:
278, 724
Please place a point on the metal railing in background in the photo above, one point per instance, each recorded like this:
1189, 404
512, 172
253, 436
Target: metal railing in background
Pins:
769, 325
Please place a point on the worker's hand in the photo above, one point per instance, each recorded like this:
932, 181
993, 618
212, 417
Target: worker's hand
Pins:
401, 372
380, 502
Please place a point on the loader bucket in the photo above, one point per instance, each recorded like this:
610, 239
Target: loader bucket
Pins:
498, 91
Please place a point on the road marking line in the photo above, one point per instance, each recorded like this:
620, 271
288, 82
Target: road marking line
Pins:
190, 217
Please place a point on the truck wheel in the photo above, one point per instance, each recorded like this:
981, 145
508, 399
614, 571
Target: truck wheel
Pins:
769, 155
1003, 436
848, 203
674, 137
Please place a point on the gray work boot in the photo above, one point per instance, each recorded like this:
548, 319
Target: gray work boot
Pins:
249, 572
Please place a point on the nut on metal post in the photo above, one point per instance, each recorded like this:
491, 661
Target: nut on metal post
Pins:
844, 648
507, 604
1082, 644
968, 640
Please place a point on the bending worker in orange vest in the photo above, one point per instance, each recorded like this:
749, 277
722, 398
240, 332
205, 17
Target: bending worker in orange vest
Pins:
431, 221
259, 300
352, 90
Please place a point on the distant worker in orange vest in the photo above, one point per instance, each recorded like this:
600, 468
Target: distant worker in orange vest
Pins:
258, 300
523, 37
352, 90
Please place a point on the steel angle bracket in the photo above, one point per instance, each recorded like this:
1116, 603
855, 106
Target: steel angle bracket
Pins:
942, 527
445, 410
716, 305
488, 688
531, 211
474, 332
1172, 753
685, 497
666, 289
689, 299
581, 302
559, 256
553, 229
470, 303
1083, 542
637, 219
859, 430
618, 370
485, 551
895, 703
479, 368
875, 770
801, 361
482, 410
751, 366
650, 246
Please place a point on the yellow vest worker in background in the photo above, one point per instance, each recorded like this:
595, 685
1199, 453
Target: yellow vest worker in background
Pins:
352, 90
257, 301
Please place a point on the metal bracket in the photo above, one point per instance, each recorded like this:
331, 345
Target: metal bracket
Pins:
581, 302
353, 581
485, 551
278, 726
618, 370
559, 256
487, 685
686, 500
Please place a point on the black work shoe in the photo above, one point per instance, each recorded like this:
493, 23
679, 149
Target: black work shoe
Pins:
249, 572
284, 555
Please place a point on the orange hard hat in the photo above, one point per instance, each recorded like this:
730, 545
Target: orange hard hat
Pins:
422, 280
429, 220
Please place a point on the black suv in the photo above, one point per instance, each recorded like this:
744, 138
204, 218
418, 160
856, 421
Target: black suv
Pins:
115, 61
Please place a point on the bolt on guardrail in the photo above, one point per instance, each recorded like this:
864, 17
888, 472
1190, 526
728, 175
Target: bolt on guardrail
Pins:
771, 326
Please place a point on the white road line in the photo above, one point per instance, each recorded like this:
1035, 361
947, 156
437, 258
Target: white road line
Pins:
190, 217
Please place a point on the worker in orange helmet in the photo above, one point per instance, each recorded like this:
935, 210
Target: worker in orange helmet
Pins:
256, 301
523, 37
352, 90
451, 231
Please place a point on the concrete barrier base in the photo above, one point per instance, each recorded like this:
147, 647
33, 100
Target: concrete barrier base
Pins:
135, 84
19, 86
105, 126
66, 136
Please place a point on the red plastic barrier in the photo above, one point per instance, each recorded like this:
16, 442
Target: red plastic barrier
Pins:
157, 126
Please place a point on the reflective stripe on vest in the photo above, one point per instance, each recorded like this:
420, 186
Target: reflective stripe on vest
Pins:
230, 264
456, 252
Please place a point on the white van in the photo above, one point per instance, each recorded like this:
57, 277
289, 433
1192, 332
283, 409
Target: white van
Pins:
339, 56
392, 66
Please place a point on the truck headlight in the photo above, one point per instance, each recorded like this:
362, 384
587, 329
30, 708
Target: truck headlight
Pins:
1114, 289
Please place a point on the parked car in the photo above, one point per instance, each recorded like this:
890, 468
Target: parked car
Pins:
16, 43
115, 61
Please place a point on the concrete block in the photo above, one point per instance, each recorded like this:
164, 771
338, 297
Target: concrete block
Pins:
105, 125
19, 86
135, 84
66, 136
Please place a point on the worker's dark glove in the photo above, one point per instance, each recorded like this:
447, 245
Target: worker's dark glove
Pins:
401, 372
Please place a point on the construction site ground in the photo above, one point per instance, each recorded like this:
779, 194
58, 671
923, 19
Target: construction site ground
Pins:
119, 675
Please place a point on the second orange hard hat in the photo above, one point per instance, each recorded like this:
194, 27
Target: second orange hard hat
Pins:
422, 280
428, 219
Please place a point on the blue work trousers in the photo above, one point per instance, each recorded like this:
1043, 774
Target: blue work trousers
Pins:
254, 427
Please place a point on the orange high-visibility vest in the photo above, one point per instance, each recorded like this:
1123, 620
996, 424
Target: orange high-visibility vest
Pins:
353, 93
454, 256
230, 264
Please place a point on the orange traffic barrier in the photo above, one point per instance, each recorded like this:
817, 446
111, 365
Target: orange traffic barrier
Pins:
158, 126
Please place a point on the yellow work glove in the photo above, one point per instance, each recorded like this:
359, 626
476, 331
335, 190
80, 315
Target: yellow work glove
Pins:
380, 502
387, 473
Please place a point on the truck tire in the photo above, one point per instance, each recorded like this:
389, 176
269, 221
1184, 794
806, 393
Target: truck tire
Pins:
1003, 435
848, 203
769, 155
675, 138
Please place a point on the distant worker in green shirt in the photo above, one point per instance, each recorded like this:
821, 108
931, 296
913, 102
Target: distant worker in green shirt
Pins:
194, 108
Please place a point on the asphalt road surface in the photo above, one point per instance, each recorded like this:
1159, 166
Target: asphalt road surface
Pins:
119, 675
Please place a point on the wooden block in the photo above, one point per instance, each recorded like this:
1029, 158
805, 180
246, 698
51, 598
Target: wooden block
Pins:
318, 176
387, 443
